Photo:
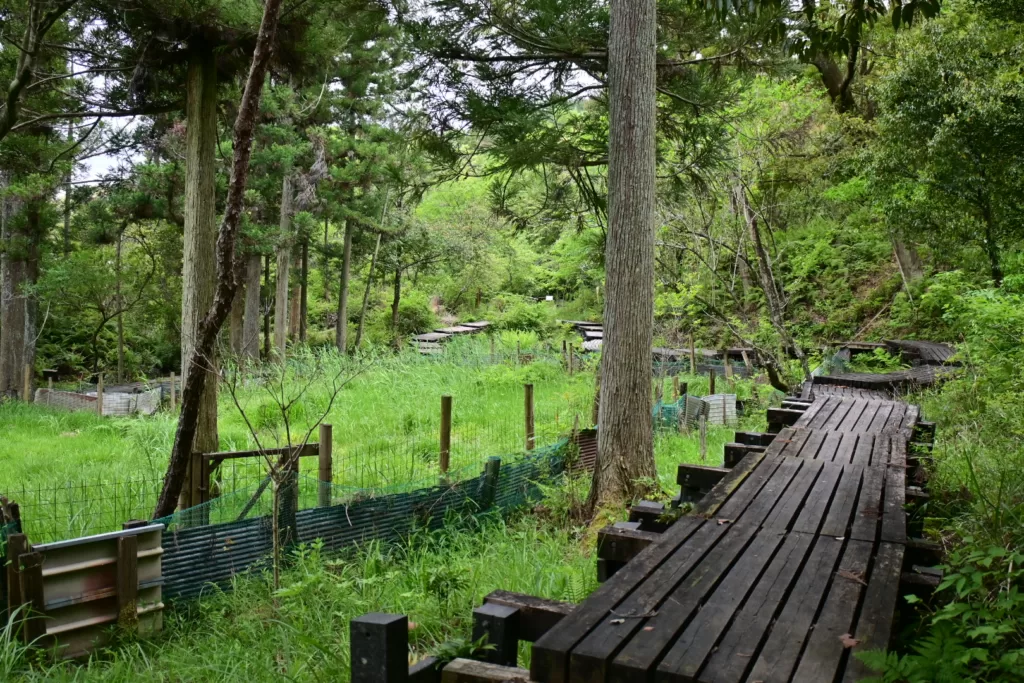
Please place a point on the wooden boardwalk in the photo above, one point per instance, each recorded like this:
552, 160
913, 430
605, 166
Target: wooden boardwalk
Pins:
790, 562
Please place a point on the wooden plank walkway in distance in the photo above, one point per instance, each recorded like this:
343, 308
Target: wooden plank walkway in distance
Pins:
795, 554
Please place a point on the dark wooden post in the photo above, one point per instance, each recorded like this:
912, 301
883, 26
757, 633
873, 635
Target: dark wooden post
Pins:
489, 483
565, 354
711, 381
379, 648
746, 362
492, 348
728, 365
500, 625
519, 352
31, 578
446, 434
479, 298
27, 389
326, 468
99, 396
528, 411
128, 582
17, 545
572, 359
174, 389
693, 357
675, 388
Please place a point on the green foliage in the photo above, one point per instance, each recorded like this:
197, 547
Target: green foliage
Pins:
975, 634
878, 360
520, 314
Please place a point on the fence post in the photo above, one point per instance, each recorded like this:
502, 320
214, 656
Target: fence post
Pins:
711, 381
728, 365
379, 648
746, 362
565, 353
572, 359
17, 545
675, 389
326, 469
27, 389
528, 412
702, 427
498, 626
519, 352
99, 396
127, 582
489, 484
492, 348
31, 578
693, 357
49, 390
173, 390
446, 434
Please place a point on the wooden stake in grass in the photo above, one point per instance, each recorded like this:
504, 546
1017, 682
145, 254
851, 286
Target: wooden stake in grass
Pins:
702, 426
99, 396
326, 457
675, 389
711, 381
446, 434
693, 357
528, 410
49, 390
728, 365
572, 359
27, 390
173, 389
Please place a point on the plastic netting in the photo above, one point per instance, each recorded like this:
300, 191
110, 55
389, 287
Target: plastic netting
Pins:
833, 365
209, 544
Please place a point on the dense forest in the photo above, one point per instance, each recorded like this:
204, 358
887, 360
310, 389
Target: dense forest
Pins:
241, 182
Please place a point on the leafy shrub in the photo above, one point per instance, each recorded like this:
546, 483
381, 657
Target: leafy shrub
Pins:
528, 316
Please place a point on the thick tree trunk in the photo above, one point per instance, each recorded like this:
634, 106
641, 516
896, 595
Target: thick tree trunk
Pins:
229, 264
67, 198
341, 328
282, 293
304, 291
251, 322
625, 434
199, 274
19, 271
366, 293
908, 259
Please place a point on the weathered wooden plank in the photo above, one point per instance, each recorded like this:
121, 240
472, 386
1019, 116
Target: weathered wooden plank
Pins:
810, 448
591, 657
750, 627
792, 500
840, 512
641, 653
819, 412
825, 652
847, 447
621, 544
753, 503
469, 671
894, 517
817, 503
869, 505
864, 421
698, 639
730, 488
829, 447
778, 658
881, 417
874, 625
550, 659
863, 450
537, 616
857, 408
896, 418
700, 476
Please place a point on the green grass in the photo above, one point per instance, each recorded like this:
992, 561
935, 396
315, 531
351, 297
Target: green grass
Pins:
76, 473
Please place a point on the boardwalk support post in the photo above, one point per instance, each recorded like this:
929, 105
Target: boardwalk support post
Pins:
489, 482
528, 412
499, 624
380, 648
446, 435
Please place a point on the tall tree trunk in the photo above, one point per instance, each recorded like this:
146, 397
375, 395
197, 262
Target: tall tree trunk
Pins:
366, 293
304, 291
251, 322
199, 274
341, 328
295, 290
267, 353
772, 293
20, 236
625, 430
67, 199
229, 263
284, 262
237, 320
325, 262
396, 300
120, 308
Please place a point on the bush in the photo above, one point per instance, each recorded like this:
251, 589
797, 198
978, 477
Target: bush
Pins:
525, 315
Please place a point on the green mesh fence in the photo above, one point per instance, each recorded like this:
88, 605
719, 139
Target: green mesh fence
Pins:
205, 546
